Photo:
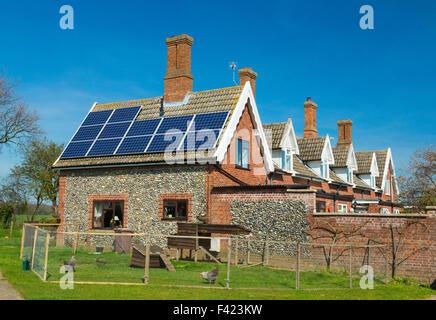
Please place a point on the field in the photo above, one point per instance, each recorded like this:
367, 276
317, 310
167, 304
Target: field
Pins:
116, 269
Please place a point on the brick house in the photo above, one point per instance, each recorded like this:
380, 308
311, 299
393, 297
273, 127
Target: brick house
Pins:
123, 171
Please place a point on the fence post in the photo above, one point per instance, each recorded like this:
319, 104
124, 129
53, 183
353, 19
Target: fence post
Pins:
196, 244
12, 226
147, 259
351, 270
297, 271
35, 233
236, 251
46, 255
266, 252
229, 258
248, 250
22, 241
76, 240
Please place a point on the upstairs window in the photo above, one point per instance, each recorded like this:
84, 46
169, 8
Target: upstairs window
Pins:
243, 154
387, 188
372, 181
324, 170
286, 160
349, 176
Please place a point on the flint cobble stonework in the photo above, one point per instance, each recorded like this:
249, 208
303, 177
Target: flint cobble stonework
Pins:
141, 187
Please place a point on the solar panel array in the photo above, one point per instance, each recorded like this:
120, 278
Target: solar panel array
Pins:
115, 132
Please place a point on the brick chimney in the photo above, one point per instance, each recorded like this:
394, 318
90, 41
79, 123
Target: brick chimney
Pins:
247, 74
345, 136
178, 80
310, 119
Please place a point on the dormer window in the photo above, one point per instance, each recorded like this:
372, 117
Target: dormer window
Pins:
349, 175
286, 160
372, 181
387, 188
325, 170
243, 154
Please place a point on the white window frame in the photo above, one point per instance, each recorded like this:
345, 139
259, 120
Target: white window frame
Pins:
349, 175
387, 187
324, 170
342, 207
397, 211
372, 183
385, 210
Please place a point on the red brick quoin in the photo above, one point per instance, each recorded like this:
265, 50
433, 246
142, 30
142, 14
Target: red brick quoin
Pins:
92, 198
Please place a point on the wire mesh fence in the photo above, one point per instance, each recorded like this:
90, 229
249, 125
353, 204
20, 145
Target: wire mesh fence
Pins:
116, 257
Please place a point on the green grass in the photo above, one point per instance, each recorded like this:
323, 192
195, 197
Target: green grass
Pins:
117, 269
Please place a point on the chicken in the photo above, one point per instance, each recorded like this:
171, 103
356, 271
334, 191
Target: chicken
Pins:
210, 276
100, 261
70, 265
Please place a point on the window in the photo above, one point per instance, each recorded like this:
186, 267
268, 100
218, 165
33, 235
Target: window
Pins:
387, 187
397, 211
108, 214
320, 206
372, 181
175, 209
286, 160
324, 170
349, 175
343, 208
243, 154
385, 210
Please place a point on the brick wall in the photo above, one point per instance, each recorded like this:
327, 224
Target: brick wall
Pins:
376, 228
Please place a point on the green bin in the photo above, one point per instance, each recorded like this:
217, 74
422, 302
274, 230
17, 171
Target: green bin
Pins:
26, 264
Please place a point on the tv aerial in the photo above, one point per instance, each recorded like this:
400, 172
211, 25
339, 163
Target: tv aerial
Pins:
232, 66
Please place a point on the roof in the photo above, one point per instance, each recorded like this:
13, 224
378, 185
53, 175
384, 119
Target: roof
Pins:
364, 161
277, 130
360, 183
311, 148
381, 161
216, 100
340, 153
301, 169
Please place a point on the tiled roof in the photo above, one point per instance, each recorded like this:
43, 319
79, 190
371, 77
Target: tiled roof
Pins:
311, 148
199, 102
360, 183
335, 177
381, 160
340, 155
274, 133
302, 169
364, 159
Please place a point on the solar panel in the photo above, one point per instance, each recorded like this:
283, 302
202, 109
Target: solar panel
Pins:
76, 149
104, 147
165, 142
134, 145
209, 121
87, 133
199, 140
143, 127
124, 114
114, 130
97, 117
174, 123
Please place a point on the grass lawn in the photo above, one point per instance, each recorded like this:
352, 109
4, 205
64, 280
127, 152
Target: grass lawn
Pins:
117, 269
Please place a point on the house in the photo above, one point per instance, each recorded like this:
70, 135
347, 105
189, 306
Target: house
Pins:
147, 164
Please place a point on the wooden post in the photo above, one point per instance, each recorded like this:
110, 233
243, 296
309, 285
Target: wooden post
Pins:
229, 258
351, 270
297, 271
22, 241
266, 253
196, 243
46, 256
177, 254
236, 251
76, 242
248, 251
147, 260
12, 226
35, 233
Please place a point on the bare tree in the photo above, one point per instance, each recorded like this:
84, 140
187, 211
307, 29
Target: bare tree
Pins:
17, 123
418, 184
334, 235
397, 241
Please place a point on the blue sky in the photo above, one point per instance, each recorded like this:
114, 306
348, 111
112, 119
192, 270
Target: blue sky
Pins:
383, 79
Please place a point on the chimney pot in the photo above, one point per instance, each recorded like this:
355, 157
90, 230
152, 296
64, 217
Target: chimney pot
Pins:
310, 130
345, 132
178, 80
247, 74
